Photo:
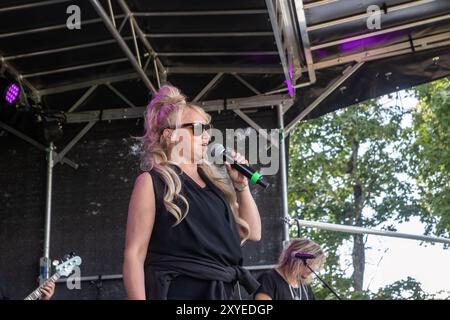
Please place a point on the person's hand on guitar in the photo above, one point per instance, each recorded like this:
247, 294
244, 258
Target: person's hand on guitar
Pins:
48, 290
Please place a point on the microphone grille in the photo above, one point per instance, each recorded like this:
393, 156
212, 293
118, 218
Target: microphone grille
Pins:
217, 150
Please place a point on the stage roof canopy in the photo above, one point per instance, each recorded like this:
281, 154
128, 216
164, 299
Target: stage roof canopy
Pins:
230, 54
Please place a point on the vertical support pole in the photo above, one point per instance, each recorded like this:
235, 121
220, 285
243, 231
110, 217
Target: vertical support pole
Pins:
283, 173
45, 260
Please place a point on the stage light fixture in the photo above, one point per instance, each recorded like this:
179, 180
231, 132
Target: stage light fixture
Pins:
49, 124
10, 91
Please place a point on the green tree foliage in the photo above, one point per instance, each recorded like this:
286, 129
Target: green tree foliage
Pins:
430, 152
348, 167
404, 289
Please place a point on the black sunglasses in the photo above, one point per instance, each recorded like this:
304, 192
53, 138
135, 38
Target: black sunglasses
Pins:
197, 127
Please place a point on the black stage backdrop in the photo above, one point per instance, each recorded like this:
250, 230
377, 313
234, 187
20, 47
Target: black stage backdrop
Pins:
89, 208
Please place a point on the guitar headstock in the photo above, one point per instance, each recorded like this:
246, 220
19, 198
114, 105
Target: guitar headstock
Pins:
67, 264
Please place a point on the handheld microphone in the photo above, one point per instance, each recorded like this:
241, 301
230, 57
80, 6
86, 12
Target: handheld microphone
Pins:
303, 256
254, 176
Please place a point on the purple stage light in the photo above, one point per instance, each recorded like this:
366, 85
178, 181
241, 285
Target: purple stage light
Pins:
290, 87
288, 82
12, 93
358, 44
370, 42
321, 53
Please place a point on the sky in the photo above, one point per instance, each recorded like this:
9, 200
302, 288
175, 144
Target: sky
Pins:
393, 259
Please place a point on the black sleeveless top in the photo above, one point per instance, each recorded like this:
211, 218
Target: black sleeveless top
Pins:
204, 245
209, 230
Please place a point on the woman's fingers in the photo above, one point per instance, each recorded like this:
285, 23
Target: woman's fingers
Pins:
238, 158
236, 176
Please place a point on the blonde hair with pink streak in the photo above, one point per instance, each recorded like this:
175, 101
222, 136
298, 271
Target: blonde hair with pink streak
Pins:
165, 110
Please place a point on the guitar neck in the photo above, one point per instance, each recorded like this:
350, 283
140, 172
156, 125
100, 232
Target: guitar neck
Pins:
37, 294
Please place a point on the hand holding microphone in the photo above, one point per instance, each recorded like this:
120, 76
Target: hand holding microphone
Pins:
238, 167
240, 181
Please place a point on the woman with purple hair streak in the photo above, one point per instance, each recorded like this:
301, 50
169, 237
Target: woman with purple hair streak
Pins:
186, 222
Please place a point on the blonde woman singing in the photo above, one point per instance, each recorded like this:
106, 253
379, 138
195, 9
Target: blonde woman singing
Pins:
186, 222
